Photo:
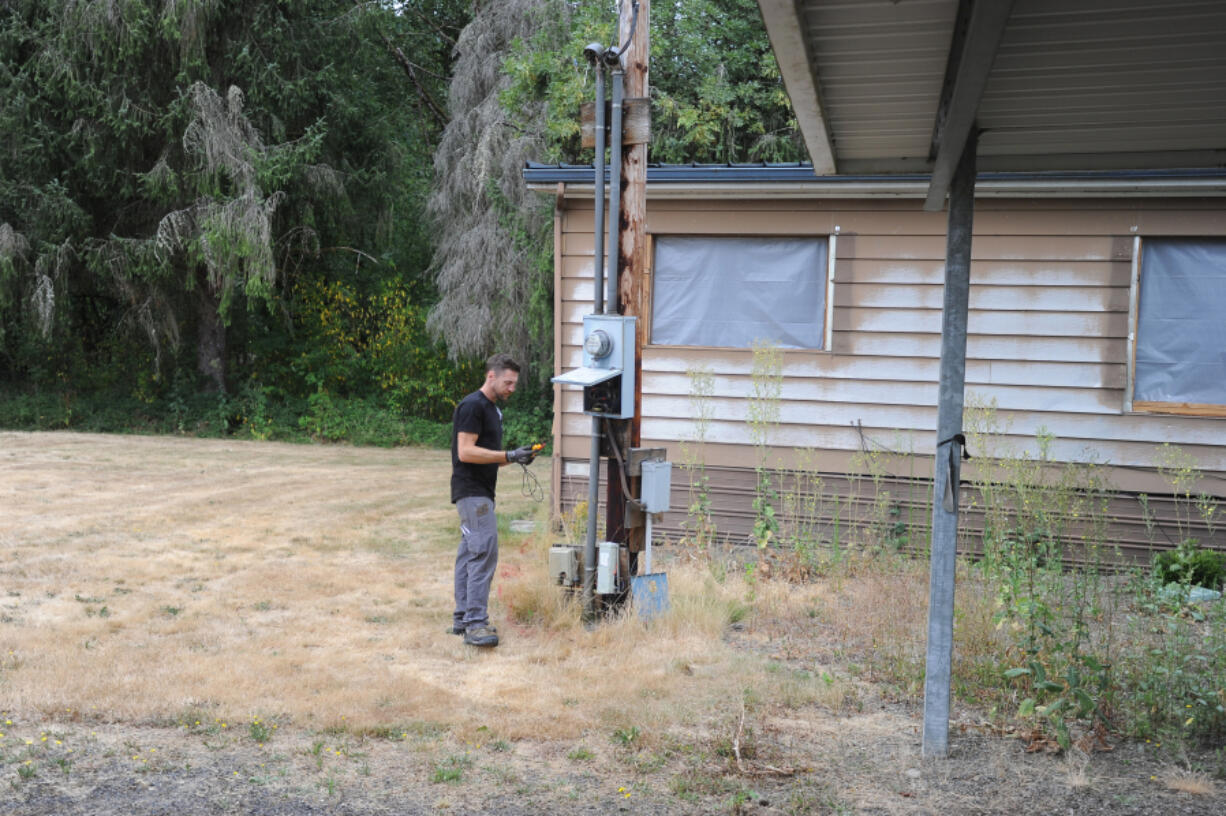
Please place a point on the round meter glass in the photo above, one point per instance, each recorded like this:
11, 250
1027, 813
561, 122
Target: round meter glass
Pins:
598, 344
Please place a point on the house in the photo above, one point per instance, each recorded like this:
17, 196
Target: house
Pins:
1097, 320
950, 90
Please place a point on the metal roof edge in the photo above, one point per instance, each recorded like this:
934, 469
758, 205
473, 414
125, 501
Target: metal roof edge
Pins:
798, 180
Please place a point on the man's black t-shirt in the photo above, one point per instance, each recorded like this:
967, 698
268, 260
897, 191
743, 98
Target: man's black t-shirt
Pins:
475, 414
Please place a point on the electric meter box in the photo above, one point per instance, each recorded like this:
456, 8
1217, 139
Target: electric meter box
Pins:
656, 486
607, 375
608, 341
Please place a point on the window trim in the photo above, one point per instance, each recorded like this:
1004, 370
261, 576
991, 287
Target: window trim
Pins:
827, 314
1150, 407
1134, 302
832, 243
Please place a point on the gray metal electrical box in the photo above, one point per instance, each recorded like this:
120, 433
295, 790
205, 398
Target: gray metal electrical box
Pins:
608, 563
607, 375
657, 484
564, 565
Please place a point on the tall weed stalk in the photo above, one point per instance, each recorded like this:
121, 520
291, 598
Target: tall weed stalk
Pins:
1040, 516
767, 387
699, 522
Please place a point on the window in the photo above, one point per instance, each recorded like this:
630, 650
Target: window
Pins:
1179, 356
731, 292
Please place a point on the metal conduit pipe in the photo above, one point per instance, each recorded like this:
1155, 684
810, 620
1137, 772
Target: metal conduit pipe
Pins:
615, 181
610, 303
593, 479
598, 233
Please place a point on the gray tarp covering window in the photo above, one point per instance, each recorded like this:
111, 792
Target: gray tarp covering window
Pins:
1181, 323
734, 291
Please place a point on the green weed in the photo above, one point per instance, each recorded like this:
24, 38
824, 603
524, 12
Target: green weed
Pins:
626, 736
699, 523
763, 417
260, 731
451, 769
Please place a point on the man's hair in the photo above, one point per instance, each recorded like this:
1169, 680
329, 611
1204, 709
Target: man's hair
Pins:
501, 362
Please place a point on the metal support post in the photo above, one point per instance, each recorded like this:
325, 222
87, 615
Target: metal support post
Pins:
948, 454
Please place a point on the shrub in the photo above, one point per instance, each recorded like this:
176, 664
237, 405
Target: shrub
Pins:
1189, 564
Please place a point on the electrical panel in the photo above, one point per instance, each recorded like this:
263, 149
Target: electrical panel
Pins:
607, 375
656, 486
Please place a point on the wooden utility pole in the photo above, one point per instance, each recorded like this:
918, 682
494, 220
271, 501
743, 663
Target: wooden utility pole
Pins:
633, 258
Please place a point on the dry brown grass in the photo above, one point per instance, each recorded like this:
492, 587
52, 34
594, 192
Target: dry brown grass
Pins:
1190, 782
152, 582
166, 579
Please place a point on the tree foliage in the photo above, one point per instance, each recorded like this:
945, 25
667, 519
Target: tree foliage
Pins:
716, 92
181, 174
491, 265
520, 78
267, 199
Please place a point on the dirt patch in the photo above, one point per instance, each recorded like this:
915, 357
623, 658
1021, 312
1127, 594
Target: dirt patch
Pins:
203, 626
869, 763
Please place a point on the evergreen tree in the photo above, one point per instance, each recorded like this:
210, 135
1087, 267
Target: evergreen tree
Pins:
179, 169
716, 96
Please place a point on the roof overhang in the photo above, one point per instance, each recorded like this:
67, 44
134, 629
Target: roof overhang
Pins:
798, 181
898, 86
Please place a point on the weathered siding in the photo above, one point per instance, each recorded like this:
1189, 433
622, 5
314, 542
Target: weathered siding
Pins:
1047, 340
855, 508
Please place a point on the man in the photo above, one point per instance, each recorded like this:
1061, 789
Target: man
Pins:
476, 455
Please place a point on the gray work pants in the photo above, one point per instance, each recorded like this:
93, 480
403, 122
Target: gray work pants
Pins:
475, 561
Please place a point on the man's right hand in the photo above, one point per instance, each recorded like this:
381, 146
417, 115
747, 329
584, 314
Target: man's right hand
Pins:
521, 456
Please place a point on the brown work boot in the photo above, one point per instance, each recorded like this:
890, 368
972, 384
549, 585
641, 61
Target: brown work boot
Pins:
481, 635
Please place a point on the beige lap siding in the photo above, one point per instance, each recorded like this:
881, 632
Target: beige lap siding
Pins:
1047, 340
